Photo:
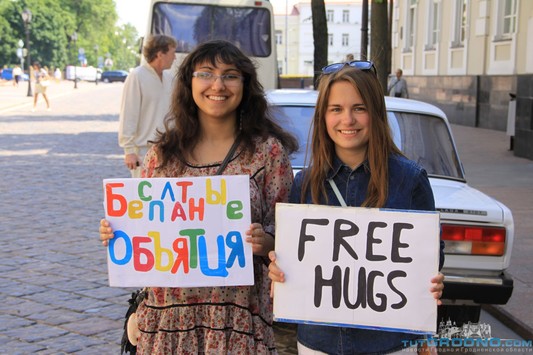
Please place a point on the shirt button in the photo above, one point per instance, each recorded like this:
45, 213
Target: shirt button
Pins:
352, 177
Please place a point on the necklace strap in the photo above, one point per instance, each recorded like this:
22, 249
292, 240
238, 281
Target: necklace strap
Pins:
229, 155
337, 193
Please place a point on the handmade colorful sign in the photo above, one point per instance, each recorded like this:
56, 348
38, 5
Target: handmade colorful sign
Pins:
186, 232
356, 267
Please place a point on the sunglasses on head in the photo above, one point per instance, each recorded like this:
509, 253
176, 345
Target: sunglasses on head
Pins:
359, 64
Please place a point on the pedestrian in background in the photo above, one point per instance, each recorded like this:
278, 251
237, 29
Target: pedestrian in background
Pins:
17, 75
57, 75
398, 86
354, 162
146, 100
220, 123
41, 84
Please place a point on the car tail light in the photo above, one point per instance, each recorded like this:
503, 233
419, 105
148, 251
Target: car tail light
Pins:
473, 240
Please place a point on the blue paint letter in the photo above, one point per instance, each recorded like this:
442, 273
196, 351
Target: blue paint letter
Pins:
204, 262
234, 242
127, 243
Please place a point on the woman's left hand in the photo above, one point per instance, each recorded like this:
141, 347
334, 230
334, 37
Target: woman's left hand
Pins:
437, 285
261, 241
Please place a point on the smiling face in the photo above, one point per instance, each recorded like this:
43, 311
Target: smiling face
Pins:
214, 98
347, 123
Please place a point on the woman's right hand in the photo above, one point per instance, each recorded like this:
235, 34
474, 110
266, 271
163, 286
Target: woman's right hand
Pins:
274, 272
106, 232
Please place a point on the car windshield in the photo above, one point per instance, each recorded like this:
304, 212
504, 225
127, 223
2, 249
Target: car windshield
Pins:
422, 138
249, 28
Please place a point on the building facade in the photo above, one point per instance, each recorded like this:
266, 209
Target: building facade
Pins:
296, 30
471, 58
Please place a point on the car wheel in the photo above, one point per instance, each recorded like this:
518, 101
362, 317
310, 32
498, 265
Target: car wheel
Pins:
458, 314
106, 80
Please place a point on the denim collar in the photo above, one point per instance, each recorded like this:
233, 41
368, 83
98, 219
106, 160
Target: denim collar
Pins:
338, 165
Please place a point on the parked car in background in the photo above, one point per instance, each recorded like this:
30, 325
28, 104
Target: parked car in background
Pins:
114, 75
7, 74
477, 229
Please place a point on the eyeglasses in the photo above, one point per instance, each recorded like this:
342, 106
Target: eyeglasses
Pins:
210, 78
359, 64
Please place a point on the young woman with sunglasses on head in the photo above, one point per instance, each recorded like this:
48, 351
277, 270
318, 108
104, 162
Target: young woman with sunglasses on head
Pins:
218, 104
354, 162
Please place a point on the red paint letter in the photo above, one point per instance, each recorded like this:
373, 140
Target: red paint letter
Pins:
111, 197
138, 252
182, 249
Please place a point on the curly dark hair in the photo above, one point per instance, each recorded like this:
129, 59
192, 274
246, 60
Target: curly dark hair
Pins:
182, 127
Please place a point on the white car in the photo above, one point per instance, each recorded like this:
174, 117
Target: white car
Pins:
477, 230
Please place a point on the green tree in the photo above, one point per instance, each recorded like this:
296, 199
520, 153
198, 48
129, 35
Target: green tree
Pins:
51, 28
125, 48
95, 24
320, 37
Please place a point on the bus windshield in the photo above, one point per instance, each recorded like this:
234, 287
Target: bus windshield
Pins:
247, 27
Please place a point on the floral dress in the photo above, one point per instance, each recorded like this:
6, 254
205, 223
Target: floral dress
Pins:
220, 320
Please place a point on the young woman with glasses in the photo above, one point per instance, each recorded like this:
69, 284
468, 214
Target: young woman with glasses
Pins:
217, 104
352, 149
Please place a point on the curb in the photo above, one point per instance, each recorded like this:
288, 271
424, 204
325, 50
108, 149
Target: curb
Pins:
511, 322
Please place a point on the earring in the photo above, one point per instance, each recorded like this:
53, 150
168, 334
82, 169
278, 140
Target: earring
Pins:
240, 121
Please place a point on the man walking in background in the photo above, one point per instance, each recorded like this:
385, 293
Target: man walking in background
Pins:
146, 100
398, 86
17, 75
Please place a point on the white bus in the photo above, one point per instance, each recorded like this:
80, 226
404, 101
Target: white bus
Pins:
247, 23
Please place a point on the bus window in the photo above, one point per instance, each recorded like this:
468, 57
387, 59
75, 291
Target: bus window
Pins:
249, 24
247, 27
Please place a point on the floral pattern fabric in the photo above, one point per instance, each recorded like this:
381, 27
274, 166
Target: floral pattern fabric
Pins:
220, 320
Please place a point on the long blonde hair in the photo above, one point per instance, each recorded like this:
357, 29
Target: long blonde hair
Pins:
380, 143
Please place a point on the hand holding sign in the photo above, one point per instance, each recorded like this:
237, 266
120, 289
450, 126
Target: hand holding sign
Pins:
356, 267
178, 232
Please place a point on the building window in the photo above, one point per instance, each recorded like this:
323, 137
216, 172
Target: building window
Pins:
329, 15
330, 39
279, 37
460, 18
507, 10
410, 26
433, 24
346, 16
345, 40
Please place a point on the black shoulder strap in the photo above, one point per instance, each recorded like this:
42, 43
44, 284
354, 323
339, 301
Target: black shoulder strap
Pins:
229, 155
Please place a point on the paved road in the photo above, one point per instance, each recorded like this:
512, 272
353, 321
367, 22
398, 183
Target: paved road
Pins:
53, 274
52, 267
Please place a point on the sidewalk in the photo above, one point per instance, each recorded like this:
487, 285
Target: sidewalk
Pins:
13, 97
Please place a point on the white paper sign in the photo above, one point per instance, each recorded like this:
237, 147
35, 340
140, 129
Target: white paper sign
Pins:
356, 267
179, 232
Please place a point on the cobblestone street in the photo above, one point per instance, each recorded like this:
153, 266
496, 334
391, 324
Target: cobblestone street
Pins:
56, 298
53, 272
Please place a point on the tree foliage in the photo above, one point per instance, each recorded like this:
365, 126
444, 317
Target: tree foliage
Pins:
52, 26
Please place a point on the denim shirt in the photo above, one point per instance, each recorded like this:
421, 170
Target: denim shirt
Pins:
409, 188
